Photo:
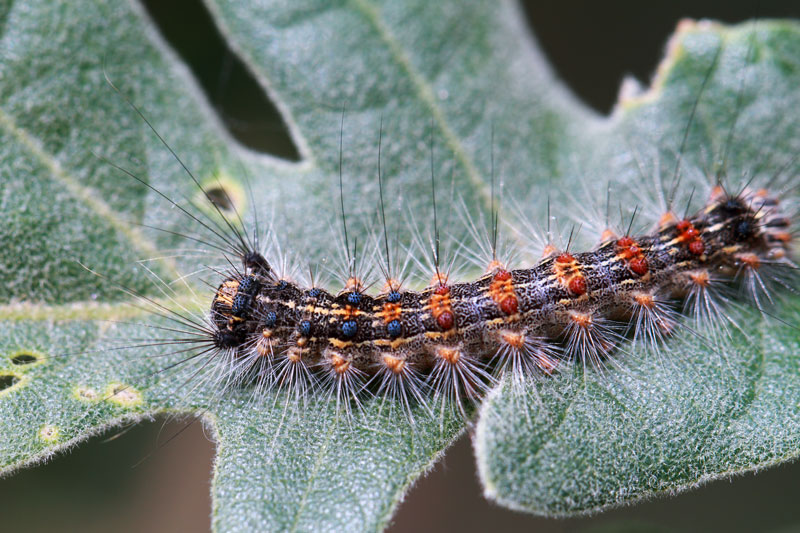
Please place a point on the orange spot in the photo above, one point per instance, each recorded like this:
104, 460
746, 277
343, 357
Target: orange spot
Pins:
339, 363
568, 272
630, 252
583, 320
264, 344
294, 355
625, 242
301, 341
513, 339
395, 364
667, 219
450, 355
687, 233
494, 264
391, 311
750, 260
353, 284
549, 250
607, 235
644, 299
717, 193
391, 285
439, 279
502, 275
700, 278
783, 236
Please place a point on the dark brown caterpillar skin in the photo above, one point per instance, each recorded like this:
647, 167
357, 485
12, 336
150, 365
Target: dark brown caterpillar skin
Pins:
256, 313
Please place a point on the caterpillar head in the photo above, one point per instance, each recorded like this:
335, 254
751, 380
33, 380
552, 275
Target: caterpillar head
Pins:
231, 309
753, 221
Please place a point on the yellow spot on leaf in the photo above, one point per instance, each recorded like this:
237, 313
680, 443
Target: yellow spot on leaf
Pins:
123, 395
49, 433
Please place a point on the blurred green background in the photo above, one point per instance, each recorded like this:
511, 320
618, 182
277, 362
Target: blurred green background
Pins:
155, 477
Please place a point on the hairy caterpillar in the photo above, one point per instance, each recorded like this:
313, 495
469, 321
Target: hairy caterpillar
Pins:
448, 338
452, 340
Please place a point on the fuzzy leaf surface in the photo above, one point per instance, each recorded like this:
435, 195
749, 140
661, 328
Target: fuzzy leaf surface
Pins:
705, 406
69, 213
446, 68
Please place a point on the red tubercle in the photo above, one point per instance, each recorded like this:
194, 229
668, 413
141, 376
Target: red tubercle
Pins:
502, 292
691, 235
445, 320
502, 275
625, 242
509, 305
638, 266
440, 307
630, 252
577, 285
565, 258
697, 247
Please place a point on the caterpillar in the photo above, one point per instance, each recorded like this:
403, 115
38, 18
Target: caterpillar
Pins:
452, 337
452, 340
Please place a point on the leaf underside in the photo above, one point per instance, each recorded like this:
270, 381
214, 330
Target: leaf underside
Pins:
578, 442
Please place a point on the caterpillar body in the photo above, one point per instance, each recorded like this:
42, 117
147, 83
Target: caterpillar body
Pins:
454, 338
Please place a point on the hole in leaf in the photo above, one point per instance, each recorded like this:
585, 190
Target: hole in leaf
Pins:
23, 358
7, 381
593, 45
241, 103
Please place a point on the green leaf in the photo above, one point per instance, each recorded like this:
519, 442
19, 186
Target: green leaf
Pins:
703, 407
296, 467
451, 68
